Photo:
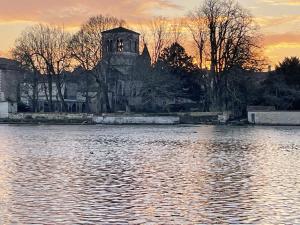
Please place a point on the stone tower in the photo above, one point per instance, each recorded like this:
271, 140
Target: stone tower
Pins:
120, 48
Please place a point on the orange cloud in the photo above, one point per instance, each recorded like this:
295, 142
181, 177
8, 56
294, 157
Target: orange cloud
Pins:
292, 38
279, 46
282, 31
266, 22
74, 12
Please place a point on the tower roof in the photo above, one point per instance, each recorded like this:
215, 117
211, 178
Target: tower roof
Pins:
120, 30
145, 52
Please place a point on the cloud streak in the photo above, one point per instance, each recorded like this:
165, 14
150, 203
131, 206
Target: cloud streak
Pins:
281, 30
74, 12
283, 2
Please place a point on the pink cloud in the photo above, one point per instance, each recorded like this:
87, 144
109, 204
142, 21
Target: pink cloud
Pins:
272, 39
74, 12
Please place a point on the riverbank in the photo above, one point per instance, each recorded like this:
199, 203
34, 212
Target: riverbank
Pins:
211, 118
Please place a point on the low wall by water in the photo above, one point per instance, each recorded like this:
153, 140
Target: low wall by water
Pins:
67, 118
274, 118
136, 119
51, 117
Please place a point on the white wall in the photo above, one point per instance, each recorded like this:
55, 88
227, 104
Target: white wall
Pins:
3, 109
6, 108
275, 118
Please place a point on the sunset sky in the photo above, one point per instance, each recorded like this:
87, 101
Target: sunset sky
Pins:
279, 19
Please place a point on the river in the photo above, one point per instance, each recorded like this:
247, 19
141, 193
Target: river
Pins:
149, 175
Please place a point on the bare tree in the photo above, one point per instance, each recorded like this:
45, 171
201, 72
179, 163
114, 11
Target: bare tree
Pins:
52, 49
177, 30
159, 29
86, 49
144, 35
24, 53
232, 42
43, 49
197, 27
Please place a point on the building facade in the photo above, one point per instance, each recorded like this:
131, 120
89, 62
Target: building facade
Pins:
10, 77
127, 68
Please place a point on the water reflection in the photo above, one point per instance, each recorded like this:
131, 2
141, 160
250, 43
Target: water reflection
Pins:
149, 175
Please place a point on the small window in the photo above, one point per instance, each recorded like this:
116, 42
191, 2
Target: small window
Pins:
120, 45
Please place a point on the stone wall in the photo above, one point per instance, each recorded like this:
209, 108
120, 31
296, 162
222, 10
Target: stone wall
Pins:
274, 118
136, 119
51, 117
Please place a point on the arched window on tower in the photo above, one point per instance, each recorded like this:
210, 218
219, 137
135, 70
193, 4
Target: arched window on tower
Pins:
120, 45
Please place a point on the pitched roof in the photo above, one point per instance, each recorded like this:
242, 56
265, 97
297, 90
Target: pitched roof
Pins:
119, 30
145, 52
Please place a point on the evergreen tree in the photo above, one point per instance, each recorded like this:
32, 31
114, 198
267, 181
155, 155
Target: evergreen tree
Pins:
290, 69
175, 60
180, 68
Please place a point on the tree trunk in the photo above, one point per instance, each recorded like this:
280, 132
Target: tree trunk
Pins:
106, 98
35, 92
60, 95
87, 106
50, 91
99, 98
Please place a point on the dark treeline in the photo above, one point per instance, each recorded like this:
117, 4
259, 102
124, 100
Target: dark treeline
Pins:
223, 75
282, 86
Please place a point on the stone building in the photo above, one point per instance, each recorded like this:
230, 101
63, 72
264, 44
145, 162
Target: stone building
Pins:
10, 77
126, 68
70, 91
120, 49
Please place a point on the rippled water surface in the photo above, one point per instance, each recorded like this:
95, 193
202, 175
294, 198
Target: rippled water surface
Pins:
149, 175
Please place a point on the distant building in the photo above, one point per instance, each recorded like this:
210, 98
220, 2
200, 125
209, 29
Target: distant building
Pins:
267, 115
126, 68
10, 77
